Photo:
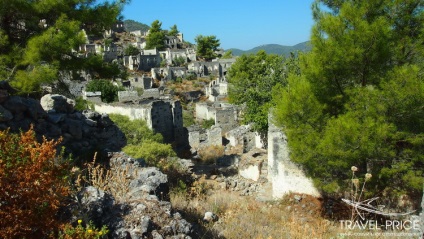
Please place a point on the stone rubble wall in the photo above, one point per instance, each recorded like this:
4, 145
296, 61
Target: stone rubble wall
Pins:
54, 116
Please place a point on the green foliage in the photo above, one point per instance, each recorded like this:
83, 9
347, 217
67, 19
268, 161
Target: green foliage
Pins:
227, 55
207, 124
131, 50
251, 80
179, 79
206, 46
81, 104
136, 131
153, 152
131, 25
173, 31
81, 232
30, 80
109, 91
38, 37
188, 118
179, 61
360, 96
156, 37
142, 142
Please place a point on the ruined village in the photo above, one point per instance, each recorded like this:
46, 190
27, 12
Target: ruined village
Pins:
265, 158
224, 179
249, 165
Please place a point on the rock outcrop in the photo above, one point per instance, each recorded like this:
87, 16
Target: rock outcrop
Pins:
134, 205
141, 212
54, 116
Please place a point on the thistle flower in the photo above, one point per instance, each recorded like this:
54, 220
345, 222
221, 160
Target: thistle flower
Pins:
368, 176
354, 169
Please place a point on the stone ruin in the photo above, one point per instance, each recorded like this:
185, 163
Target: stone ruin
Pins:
285, 175
199, 138
245, 137
95, 97
127, 96
225, 115
143, 82
162, 116
217, 90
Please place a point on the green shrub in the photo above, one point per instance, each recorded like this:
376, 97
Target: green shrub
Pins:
188, 118
142, 142
81, 104
81, 232
136, 131
109, 91
153, 152
206, 124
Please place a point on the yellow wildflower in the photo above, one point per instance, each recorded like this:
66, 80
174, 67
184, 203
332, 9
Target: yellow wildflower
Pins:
79, 221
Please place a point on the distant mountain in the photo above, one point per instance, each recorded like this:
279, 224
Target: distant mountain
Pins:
131, 25
274, 49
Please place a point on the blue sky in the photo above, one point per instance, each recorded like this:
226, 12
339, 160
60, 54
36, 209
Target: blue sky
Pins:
242, 24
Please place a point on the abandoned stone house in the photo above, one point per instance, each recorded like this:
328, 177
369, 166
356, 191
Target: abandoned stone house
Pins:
225, 115
117, 27
217, 89
136, 81
144, 61
217, 68
162, 116
168, 73
174, 42
170, 55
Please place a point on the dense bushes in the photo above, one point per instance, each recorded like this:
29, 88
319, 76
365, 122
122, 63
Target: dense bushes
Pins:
359, 98
32, 183
109, 91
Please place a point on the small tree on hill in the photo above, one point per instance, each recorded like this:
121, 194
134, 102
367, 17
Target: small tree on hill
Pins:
156, 37
206, 46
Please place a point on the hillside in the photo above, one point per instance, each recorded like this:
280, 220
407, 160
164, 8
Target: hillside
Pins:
273, 49
131, 25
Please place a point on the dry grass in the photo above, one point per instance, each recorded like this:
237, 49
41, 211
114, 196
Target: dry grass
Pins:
114, 180
210, 154
247, 218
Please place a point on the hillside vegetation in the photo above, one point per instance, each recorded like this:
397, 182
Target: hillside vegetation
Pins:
356, 99
131, 25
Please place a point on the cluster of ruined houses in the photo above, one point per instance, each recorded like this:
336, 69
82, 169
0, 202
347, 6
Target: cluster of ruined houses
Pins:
150, 59
165, 116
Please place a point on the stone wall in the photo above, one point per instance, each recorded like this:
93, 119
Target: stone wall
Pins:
285, 175
244, 136
54, 117
214, 136
226, 119
143, 82
151, 93
204, 111
95, 97
127, 96
164, 117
